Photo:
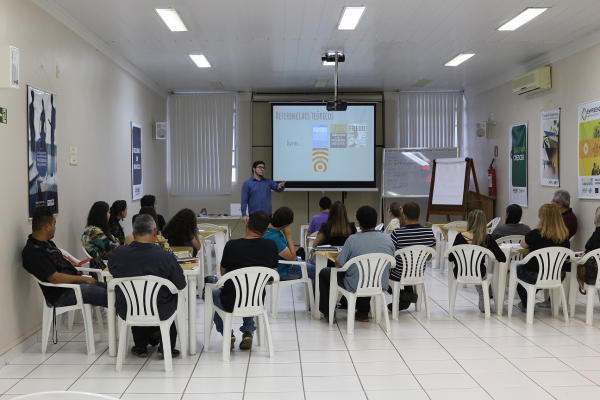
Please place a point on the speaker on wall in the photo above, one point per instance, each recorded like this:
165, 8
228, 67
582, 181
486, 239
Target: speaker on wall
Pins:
482, 130
161, 130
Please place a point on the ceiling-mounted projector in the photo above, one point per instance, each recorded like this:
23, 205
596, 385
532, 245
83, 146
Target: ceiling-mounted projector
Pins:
337, 105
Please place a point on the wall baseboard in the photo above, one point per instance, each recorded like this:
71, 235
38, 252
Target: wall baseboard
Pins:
18, 347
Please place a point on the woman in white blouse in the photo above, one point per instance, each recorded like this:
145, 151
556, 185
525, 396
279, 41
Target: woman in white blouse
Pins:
397, 216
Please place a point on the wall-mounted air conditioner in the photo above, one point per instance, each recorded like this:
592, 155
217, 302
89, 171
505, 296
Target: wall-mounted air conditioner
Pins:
533, 82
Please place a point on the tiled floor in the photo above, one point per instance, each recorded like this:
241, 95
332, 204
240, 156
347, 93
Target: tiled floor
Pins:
464, 358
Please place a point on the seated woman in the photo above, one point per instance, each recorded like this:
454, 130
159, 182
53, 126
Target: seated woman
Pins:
551, 231
477, 234
118, 212
152, 212
182, 230
97, 239
513, 224
589, 271
396, 214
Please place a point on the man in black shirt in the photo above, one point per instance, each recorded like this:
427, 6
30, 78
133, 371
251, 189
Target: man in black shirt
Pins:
251, 251
42, 259
143, 257
150, 201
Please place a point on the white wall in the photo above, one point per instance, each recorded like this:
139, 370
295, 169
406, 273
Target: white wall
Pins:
574, 80
96, 102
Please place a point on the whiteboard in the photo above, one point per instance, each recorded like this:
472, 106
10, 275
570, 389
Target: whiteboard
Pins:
407, 172
449, 186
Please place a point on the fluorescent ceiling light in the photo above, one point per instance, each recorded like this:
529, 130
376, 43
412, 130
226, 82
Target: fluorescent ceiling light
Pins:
459, 59
171, 19
200, 60
328, 63
216, 85
321, 82
522, 19
350, 17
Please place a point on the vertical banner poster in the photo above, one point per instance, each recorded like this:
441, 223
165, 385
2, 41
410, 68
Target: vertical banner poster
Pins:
41, 145
589, 150
550, 128
517, 184
136, 161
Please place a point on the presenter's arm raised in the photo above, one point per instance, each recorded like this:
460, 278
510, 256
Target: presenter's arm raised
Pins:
278, 187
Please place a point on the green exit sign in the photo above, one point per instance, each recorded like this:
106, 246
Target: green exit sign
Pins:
3, 114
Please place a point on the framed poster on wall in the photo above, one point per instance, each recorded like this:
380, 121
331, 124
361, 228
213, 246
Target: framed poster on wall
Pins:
136, 161
517, 185
41, 147
550, 144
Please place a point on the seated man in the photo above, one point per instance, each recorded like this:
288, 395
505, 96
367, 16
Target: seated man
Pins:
280, 232
513, 224
141, 258
150, 201
42, 259
319, 219
367, 242
251, 251
562, 200
412, 234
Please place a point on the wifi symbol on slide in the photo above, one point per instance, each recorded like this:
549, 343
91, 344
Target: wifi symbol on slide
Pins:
320, 160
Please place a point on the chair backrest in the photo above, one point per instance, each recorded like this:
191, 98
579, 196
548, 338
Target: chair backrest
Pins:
452, 233
140, 294
512, 239
64, 396
493, 224
592, 254
456, 224
220, 239
550, 261
85, 252
379, 227
468, 258
249, 285
370, 271
414, 259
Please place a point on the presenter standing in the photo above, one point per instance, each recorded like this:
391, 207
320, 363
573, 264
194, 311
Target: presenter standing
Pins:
256, 191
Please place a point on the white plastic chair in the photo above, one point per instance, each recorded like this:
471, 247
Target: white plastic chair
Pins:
278, 287
414, 259
493, 224
371, 268
249, 285
303, 233
220, 239
141, 293
379, 227
452, 233
590, 289
468, 258
550, 261
439, 244
86, 311
65, 396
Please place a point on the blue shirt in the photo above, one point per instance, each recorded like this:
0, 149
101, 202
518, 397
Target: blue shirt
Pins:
317, 221
360, 244
257, 195
281, 243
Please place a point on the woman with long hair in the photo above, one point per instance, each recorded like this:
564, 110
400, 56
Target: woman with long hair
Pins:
477, 234
397, 218
551, 231
151, 212
97, 239
118, 212
182, 230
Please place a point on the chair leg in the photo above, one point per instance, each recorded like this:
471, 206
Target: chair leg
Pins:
425, 299
564, 302
258, 322
530, 303
486, 298
589, 309
72, 315
512, 289
395, 300
275, 294
332, 303
453, 291
385, 314
351, 307
227, 322
182, 332
46, 325
376, 308
122, 344
309, 295
86, 311
100, 324
419, 297
164, 333
209, 313
267, 330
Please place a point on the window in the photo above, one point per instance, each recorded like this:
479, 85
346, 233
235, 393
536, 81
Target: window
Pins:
234, 148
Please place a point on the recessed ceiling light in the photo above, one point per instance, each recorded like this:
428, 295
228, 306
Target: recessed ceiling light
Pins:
459, 59
216, 85
200, 60
350, 17
328, 62
171, 19
423, 82
321, 82
522, 19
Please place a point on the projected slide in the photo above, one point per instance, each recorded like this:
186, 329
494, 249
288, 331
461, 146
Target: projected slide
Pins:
316, 148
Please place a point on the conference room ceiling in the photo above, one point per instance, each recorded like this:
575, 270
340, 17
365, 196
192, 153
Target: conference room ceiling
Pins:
275, 46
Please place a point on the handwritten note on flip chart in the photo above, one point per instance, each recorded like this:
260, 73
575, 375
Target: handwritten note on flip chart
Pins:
407, 172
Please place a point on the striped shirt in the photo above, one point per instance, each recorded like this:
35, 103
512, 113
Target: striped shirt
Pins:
410, 235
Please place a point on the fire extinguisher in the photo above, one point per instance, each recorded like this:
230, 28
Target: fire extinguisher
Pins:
491, 179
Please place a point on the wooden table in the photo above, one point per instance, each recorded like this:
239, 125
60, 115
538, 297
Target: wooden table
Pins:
190, 271
321, 258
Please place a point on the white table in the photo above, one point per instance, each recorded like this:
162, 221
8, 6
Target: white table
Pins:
111, 312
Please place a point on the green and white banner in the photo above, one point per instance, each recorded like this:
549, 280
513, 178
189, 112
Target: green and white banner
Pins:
517, 171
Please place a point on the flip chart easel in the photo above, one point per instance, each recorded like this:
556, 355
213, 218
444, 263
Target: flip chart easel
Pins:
450, 187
